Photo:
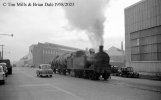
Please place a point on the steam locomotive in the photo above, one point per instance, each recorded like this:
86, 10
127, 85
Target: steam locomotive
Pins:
83, 65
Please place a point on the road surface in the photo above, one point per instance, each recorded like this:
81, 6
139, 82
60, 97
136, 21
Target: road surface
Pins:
23, 84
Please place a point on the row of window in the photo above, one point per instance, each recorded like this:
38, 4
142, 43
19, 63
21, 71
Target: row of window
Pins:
53, 52
146, 41
151, 52
146, 45
146, 32
146, 48
153, 56
146, 37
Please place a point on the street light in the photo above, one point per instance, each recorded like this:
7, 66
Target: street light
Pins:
8, 34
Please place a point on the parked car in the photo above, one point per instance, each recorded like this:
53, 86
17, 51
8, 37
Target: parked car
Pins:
2, 75
129, 72
26, 65
8, 65
44, 70
4, 68
115, 70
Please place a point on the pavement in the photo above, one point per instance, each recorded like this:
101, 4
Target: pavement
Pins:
151, 76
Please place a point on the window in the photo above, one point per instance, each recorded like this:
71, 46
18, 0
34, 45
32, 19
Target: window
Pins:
146, 45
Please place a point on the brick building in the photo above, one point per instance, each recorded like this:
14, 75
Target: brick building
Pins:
43, 53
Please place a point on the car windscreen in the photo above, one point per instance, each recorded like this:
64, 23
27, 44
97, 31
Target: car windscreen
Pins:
45, 67
130, 69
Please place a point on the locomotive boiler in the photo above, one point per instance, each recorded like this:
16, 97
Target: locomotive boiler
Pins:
87, 65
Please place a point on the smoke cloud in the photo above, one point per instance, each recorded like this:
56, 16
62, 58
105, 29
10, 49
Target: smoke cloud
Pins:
88, 15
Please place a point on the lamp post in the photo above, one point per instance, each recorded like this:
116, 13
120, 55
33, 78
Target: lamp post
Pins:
8, 34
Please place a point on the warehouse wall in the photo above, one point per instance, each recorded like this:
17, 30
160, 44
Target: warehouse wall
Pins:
143, 36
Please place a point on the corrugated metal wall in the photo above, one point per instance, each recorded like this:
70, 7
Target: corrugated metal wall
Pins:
143, 36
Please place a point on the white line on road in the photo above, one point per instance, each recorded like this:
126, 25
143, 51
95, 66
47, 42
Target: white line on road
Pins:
67, 92
46, 84
31, 85
55, 87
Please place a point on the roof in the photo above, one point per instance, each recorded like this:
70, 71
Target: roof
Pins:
113, 51
52, 45
139, 2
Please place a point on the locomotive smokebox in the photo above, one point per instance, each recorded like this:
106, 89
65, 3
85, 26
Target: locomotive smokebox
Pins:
101, 48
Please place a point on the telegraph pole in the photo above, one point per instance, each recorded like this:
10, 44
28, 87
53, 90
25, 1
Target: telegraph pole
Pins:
2, 44
2, 50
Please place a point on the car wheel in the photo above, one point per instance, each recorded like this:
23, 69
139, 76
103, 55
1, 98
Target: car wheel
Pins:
129, 76
50, 75
6, 75
138, 76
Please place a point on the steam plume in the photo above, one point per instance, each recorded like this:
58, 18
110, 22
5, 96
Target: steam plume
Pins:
88, 15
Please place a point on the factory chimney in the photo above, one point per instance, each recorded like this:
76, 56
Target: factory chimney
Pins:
122, 46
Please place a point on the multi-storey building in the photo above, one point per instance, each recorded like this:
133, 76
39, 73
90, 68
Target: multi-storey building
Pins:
43, 53
143, 36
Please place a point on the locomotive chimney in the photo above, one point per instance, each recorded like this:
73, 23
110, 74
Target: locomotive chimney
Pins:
101, 48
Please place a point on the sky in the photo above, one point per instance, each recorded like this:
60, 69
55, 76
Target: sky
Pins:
61, 25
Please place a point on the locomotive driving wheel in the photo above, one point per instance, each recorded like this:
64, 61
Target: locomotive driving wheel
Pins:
106, 76
64, 71
54, 70
92, 75
85, 74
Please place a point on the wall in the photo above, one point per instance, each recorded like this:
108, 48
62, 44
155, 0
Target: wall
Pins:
143, 36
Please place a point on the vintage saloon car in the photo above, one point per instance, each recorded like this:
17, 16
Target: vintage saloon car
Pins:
44, 70
2, 75
129, 72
